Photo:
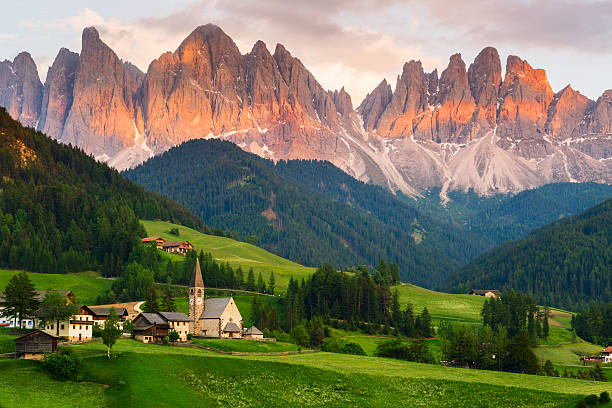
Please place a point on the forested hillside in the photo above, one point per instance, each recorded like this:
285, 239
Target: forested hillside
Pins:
502, 218
61, 211
567, 263
241, 192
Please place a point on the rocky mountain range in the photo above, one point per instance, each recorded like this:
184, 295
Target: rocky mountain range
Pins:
467, 128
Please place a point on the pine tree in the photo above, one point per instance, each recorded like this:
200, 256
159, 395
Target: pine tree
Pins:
396, 313
261, 286
151, 305
250, 283
545, 327
272, 283
19, 298
167, 303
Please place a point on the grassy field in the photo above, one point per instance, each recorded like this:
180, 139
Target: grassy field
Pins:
235, 252
566, 354
85, 285
7, 345
141, 375
253, 346
465, 308
369, 342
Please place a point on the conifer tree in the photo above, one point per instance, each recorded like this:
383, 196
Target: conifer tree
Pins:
250, 283
167, 303
19, 298
272, 283
151, 305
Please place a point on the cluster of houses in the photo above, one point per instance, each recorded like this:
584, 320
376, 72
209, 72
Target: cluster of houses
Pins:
173, 247
604, 357
209, 318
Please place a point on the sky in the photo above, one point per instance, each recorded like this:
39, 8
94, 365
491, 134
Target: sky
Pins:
350, 43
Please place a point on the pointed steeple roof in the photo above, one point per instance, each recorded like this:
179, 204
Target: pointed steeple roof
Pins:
196, 278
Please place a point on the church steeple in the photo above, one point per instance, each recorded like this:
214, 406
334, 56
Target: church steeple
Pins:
196, 299
196, 278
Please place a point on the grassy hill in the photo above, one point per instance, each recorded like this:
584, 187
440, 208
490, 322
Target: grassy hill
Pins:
139, 374
85, 285
235, 252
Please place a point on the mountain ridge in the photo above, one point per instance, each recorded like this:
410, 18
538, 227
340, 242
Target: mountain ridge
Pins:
467, 128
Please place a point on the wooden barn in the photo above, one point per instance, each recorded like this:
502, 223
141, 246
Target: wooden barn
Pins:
490, 293
153, 327
35, 344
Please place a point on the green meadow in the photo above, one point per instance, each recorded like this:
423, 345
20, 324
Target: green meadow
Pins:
247, 346
85, 285
235, 252
166, 376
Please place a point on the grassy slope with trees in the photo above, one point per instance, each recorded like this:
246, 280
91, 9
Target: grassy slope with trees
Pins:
565, 264
239, 191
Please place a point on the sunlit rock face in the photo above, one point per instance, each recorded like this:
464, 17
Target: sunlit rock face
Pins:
465, 128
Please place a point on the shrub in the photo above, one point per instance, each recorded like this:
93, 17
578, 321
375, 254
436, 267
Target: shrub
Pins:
128, 327
393, 349
173, 336
604, 397
300, 336
353, 348
166, 339
591, 400
64, 365
189, 336
96, 331
174, 231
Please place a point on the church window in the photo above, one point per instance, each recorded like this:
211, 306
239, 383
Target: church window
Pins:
191, 291
199, 292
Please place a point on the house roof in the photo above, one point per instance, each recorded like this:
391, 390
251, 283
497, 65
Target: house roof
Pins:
154, 318
253, 330
149, 239
34, 332
196, 277
175, 317
232, 327
175, 243
485, 291
214, 307
607, 350
105, 311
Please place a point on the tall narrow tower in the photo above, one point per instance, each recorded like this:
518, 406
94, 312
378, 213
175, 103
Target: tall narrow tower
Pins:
196, 299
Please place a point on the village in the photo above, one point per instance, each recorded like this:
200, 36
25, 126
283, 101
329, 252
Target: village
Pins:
212, 318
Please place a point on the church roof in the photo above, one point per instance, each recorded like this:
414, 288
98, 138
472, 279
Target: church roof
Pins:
214, 307
196, 278
231, 327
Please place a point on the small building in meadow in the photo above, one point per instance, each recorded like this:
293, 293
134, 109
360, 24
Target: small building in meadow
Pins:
35, 345
607, 355
253, 333
153, 327
177, 247
78, 328
159, 241
489, 293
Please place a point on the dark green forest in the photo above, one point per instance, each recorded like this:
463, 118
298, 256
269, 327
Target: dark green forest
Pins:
61, 211
241, 192
507, 217
566, 264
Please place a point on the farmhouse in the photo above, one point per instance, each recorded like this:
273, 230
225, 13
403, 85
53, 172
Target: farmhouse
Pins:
159, 241
35, 344
153, 327
100, 314
78, 328
607, 354
253, 333
213, 317
486, 293
178, 247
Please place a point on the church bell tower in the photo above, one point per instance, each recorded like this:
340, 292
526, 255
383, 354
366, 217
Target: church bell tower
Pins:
196, 300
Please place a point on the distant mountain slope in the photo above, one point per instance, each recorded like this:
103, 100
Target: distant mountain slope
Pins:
567, 263
502, 218
61, 211
232, 189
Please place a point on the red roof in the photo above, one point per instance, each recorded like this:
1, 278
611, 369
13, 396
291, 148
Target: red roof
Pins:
149, 239
607, 350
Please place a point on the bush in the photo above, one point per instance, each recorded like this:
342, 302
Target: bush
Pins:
174, 231
173, 336
604, 397
189, 336
393, 349
64, 365
96, 331
591, 400
166, 339
353, 348
128, 327
300, 336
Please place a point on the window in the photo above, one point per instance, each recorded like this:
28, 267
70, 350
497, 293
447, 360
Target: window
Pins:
62, 327
80, 327
191, 291
51, 327
199, 292
74, 327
